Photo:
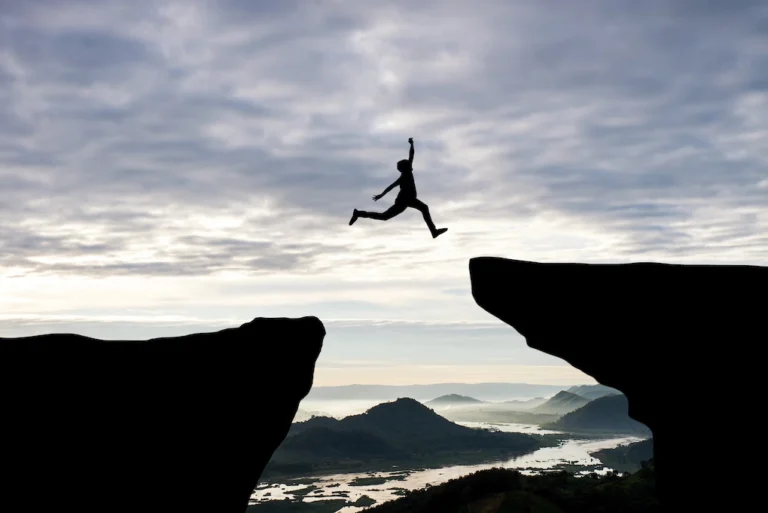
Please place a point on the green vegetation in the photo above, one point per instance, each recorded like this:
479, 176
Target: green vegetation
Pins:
607, 414
376, 480
508, 491
627, 458
403, 434
301, 492
293, 506
364, 502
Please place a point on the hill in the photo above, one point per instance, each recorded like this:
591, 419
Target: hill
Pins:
627, 458
561, 403
607, 414
453, 400
524, 404
312, 422
592, 392
403, 432
324, 442
507, 491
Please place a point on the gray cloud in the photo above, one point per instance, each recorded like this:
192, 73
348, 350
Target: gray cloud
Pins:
130, 124
184, 256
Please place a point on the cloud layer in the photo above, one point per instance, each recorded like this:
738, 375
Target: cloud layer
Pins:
198, 137
154, 146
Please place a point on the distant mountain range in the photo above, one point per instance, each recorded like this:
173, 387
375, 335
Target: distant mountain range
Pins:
526, 404
482, 391
399, 432
593, 391
608, 414
453, 400
460, 408
561, 403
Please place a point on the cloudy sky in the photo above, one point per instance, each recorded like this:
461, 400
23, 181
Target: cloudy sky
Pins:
170, 167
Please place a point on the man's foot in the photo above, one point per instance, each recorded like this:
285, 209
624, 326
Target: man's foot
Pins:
354, 218
439, 232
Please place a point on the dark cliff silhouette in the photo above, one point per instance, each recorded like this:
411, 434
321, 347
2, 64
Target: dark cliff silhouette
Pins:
407, 197
169, 424
652, 331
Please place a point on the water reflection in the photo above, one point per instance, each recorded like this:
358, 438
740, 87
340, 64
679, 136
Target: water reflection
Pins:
511, 427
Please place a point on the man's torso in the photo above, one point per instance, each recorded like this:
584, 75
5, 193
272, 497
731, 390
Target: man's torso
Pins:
407, 186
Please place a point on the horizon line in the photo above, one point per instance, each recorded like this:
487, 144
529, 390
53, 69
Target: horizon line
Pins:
455, 383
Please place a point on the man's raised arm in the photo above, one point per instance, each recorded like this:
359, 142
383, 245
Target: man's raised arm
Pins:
410, 154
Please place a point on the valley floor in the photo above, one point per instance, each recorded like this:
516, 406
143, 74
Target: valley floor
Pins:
344, 489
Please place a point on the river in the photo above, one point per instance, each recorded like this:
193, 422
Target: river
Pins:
572, 452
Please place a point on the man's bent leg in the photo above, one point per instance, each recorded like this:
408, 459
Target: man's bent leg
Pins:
397, 208
424, 209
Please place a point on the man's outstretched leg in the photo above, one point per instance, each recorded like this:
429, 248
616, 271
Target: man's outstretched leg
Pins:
424, 209
397, 208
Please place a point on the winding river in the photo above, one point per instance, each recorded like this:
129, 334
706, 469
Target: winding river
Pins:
572, 452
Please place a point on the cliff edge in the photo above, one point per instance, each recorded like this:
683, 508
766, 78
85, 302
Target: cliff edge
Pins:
661, 334
169, 424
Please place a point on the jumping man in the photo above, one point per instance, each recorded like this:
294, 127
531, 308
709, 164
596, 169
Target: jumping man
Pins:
405, 198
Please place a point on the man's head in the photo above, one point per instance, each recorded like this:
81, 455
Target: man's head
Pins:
404, 165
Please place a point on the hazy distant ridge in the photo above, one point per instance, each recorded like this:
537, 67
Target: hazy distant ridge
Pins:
593, 391
453, 399
481, 391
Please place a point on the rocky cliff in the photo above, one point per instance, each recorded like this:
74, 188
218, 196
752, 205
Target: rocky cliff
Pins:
661, 334
169, 424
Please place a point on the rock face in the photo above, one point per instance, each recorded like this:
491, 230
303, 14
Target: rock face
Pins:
661, 334
169, 424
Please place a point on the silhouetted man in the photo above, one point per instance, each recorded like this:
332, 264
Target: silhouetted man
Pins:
405, 198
